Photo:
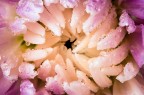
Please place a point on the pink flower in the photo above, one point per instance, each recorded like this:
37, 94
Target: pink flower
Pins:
74, 47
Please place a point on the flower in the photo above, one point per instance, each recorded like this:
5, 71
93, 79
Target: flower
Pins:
74, 47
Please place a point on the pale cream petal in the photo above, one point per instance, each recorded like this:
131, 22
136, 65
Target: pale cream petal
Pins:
57, 14
112, 71
44, 70
90, 84
34, 38
36, 28
112, 39
112, 57
80, 61
48, 20
90, 52
100, 78
62, 73
83, 44
50, 41
71, 69
59, 60
104, 28
33, 55
77, 14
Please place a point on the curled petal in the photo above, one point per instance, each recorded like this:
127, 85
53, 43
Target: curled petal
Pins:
126, 20
130, 71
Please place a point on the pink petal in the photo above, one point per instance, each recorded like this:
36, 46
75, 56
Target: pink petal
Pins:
26, 71
53, 85
69, 3
134, 7
136, 46
18, 26
27, 88
126, 20
30, 9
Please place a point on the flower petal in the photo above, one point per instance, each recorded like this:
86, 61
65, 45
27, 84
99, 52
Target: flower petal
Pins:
30, 9
27, 88
126, 20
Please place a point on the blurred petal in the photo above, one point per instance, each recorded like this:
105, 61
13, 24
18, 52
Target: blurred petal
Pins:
14, 89
7, 13
134, 86
136, 46
43, 91
134, 7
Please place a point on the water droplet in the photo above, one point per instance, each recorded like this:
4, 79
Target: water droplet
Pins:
27, 43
